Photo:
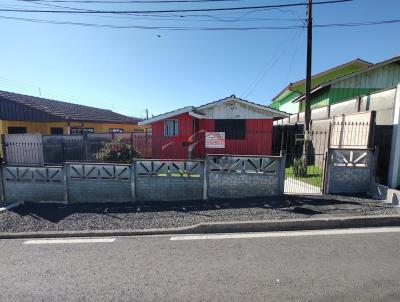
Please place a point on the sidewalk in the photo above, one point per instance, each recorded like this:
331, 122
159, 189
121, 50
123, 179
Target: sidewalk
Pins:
142, 216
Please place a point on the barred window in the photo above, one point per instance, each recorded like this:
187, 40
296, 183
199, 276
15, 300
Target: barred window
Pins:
171, 127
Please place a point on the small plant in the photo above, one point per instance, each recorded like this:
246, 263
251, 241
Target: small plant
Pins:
299, 167
117, 151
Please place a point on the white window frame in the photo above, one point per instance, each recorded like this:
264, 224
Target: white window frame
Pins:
171, 127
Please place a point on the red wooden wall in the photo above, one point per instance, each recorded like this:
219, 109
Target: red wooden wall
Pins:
258, 139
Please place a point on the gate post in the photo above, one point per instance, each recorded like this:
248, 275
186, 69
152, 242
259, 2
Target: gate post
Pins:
66, 177
205, 178
133, 180
282, 173
325, 176
2, 194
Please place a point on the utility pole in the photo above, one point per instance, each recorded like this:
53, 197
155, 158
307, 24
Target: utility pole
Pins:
147, 114
307, 100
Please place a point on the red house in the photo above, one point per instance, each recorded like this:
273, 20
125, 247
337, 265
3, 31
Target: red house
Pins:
227, 126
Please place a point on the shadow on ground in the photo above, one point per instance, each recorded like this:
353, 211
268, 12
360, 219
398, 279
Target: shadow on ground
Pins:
303, 205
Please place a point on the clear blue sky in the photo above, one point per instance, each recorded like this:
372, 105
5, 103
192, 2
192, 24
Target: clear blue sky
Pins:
129, 70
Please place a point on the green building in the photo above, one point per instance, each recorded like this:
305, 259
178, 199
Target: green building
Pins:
372, 78
284, 100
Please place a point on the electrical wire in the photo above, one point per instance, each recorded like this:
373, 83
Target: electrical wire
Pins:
281, 50
129, 1
182, 28
298, 4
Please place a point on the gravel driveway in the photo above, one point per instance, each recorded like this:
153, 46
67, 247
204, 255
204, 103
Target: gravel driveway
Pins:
145, 215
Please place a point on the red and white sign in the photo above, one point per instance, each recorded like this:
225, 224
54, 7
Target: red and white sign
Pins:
215, 140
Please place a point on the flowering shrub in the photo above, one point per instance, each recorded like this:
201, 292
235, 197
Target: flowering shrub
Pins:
117, 151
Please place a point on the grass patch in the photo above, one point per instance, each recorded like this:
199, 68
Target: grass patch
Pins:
314, 175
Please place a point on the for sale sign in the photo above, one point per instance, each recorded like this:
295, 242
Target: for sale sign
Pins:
215, 140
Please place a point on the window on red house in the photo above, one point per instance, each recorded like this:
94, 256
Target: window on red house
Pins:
170, 127
234, 129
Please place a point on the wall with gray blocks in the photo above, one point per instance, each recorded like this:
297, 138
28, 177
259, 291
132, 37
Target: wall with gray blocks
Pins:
169, 180
33, 184
245, 176
349, 170
99, 183
145, 180
238, 185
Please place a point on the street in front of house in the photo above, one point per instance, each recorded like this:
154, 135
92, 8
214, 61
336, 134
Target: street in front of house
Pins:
326, 265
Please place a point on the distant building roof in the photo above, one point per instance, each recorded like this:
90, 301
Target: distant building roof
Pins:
68, 111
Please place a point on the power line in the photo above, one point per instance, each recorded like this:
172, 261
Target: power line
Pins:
171, 10
129, 1
182, 28
177, 17
281, 50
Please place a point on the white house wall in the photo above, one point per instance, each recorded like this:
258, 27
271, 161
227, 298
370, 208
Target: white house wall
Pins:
235, 110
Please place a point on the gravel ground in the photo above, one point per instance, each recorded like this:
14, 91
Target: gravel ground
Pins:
52, 217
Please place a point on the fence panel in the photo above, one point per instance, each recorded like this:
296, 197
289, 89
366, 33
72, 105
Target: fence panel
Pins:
99, 182
244, 176
33, 184
349, 170
169, 180
23, 149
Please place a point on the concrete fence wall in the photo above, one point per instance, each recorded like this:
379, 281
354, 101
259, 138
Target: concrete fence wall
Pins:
245, 176
349, 170
144, 180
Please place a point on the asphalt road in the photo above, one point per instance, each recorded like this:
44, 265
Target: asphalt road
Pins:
287, 267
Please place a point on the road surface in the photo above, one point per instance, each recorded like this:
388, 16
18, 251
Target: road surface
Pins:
354, 265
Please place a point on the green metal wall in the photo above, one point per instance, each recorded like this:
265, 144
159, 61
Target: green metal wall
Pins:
358, 85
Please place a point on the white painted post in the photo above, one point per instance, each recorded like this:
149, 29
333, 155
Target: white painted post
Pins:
394, 165
281, 172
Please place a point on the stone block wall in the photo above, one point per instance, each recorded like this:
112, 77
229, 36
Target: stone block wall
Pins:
145, 180
33, 184
99, 183
153, 188
238, 185
169, 180
245, 176
349, 171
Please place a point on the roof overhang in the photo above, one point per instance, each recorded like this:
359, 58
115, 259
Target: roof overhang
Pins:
166, 115
274, 112
292, 86
354, 73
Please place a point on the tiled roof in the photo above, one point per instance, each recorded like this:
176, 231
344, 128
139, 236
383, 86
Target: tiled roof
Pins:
68, 111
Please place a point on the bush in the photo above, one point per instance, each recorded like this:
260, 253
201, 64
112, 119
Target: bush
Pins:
117, 151
299, 167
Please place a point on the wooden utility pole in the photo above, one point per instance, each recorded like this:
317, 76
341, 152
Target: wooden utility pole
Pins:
307, 110
307, 99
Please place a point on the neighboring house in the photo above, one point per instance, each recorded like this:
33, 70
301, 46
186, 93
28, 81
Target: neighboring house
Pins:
181, 133
283, 100
376, 77
27, 114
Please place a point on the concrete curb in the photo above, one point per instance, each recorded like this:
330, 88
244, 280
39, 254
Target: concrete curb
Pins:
229, 227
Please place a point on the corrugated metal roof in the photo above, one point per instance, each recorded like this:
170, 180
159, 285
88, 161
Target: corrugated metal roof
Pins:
67, 111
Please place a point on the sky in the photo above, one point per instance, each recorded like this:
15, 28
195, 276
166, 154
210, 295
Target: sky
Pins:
131, 70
